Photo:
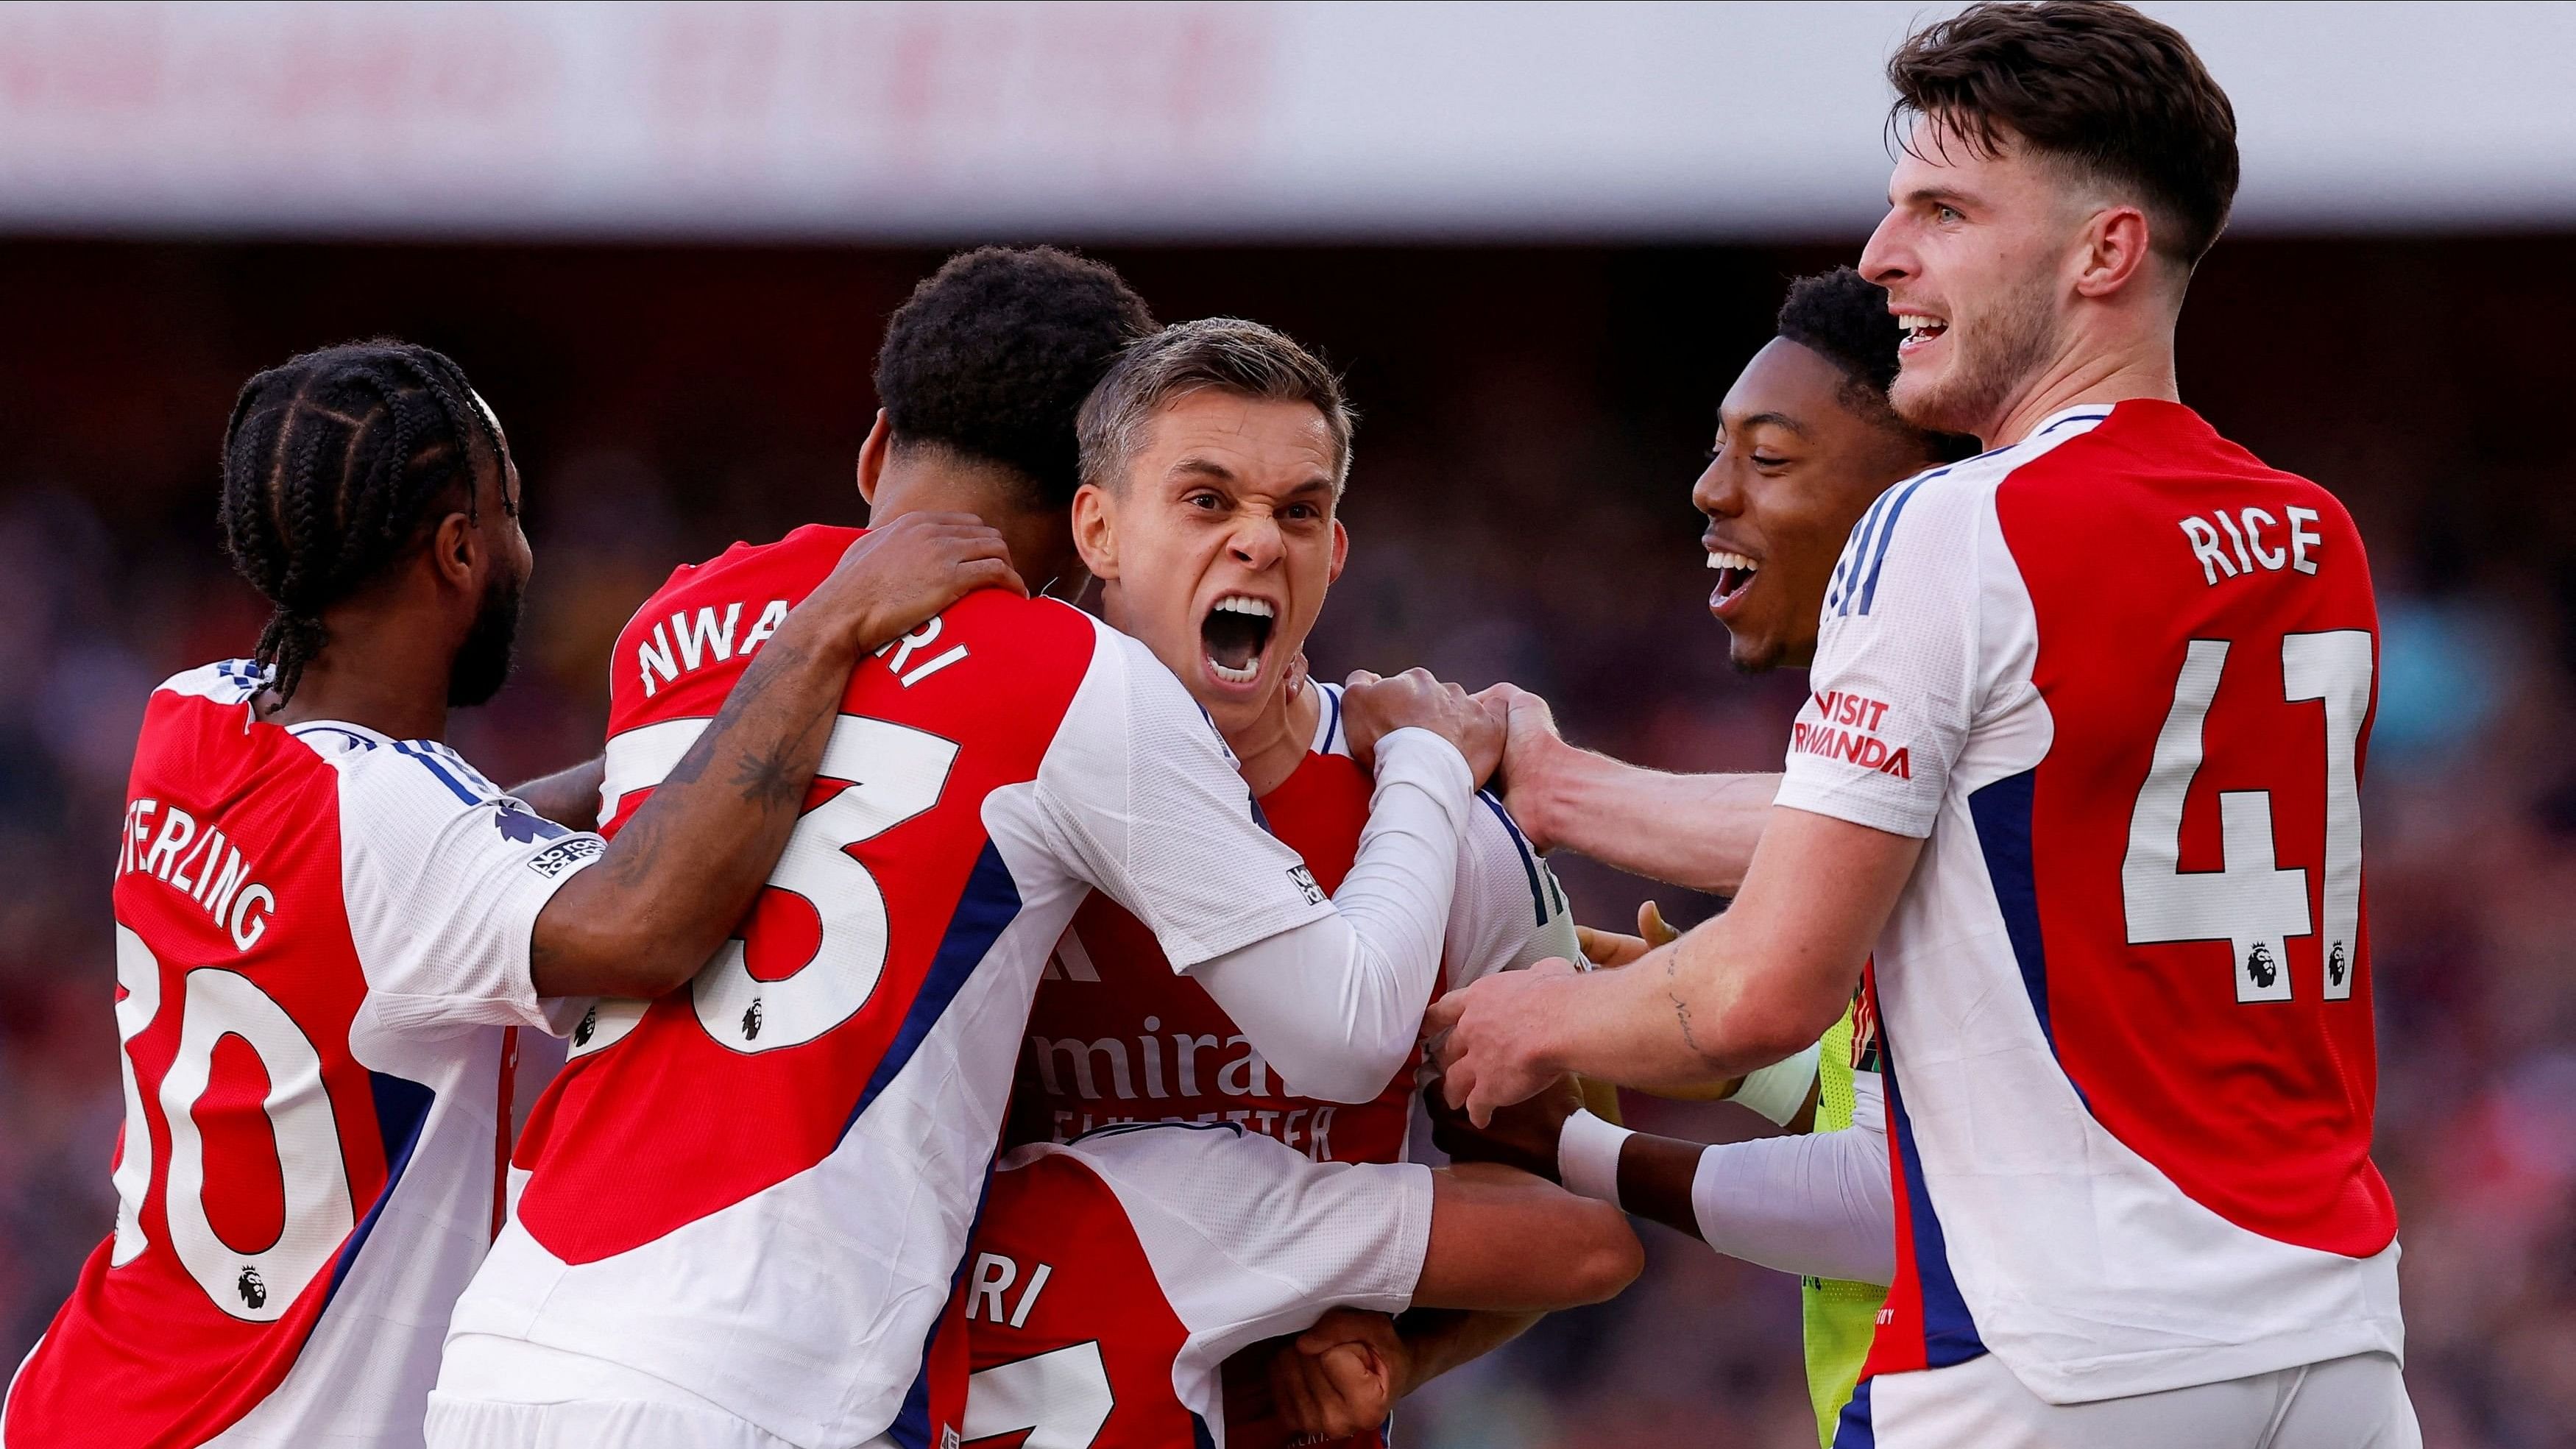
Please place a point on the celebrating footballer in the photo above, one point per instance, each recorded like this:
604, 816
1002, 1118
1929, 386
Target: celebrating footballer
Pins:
1013, 998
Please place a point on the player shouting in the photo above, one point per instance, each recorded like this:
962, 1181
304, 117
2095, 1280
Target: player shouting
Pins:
327, 923
748, 1199
1214, 456
1806, 442
2082, 768
1113, 1276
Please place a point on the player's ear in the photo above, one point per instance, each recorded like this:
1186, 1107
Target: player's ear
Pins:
1341, 551
457, 554
1095, 530
2112, 251
872, 457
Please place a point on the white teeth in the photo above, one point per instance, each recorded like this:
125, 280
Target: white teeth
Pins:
1720, 559
1915, 327
1235, 676
1238, 604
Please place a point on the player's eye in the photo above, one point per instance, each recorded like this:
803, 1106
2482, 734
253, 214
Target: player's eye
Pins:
1302, 512
1204, 499
1769, 460
1946, 215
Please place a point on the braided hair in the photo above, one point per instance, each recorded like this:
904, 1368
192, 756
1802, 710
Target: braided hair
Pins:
333, 466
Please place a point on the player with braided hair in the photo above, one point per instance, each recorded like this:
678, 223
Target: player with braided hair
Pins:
329, 925
303, 550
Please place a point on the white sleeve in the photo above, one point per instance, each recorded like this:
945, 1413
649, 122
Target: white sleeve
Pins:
444, 877
1508, 912
1249, 1239
1818, 1204
1141, 799
1894, 687
1336, 1005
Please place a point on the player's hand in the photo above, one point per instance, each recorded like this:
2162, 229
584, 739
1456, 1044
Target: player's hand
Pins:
1613, 948
1522, 1136
1529, 735
1487, 1037
1342, 1376
897, 577
1373, 708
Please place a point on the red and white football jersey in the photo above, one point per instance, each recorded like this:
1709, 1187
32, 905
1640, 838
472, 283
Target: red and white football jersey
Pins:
321, 945
2120, 675
1116, 1035
1114, 1275
760, 1188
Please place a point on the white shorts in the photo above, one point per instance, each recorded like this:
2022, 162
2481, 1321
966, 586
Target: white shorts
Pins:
499, 1393
2346, 1403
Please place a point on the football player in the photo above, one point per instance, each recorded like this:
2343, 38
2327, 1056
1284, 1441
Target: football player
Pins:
328, 923
748, 1199
1113, 1276
1214, 458
1806, 442
2080, 771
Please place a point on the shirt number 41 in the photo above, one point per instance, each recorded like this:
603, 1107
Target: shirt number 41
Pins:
2251, 902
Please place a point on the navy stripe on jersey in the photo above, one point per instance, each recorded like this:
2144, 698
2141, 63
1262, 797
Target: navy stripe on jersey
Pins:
2070, 418
911, 1426
439, 768
352, 736
1847, 568
1949, 1330
1333, 731
990, 902
2002, 815
1855, 1431
1529, 863
1878, 552
402, 1110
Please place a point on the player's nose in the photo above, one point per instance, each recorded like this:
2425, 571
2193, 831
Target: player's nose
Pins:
1886, 259
1256, 541
1718, 493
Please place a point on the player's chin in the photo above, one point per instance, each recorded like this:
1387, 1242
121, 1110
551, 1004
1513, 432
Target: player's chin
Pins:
1751, 648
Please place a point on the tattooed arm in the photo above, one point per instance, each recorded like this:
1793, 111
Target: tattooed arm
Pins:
680, 875
1742, 991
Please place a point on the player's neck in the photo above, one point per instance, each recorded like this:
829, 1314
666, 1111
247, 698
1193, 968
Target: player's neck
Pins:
372, 674
1272, 747
2092, 370
932, 481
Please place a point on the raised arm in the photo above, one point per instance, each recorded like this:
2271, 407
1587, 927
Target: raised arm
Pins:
678, 878
1690, 830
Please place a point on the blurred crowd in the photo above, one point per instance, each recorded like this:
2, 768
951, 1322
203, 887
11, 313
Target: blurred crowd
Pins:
1531, 423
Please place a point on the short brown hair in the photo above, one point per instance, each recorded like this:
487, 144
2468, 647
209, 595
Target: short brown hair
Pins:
1227, 353
2092, 83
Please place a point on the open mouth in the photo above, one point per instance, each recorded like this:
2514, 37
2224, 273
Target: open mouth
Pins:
1919, 331
1234, 634
1735, 573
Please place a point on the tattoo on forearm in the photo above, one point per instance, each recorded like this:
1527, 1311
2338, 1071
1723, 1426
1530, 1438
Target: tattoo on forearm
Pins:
1681, 1008
771, 781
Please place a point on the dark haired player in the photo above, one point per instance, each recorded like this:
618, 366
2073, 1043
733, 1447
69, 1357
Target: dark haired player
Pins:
1806, 443
328, 924
748, 1200
2081, 773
